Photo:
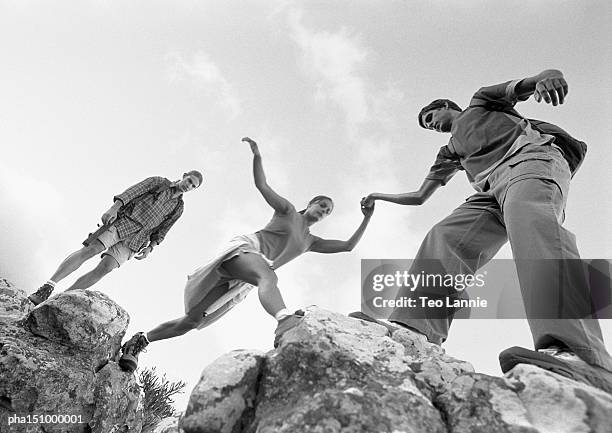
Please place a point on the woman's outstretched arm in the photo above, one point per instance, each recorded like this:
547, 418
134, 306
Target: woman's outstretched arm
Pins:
329, 246
277, 202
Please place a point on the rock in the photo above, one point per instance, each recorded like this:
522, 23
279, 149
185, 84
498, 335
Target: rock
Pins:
14, 303
434, 369
224, 398
331, 373
477, 403
168, 425
118, 401
41, 376
86, 320
556, 403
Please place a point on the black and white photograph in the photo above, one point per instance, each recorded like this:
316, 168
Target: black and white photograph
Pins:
286, 216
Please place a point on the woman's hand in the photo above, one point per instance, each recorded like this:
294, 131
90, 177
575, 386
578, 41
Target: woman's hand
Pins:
253, 144
368, 201
367, 207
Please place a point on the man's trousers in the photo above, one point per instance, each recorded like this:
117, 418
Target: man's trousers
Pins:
523, 204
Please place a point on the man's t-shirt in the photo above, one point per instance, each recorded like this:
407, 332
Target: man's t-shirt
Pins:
482, 139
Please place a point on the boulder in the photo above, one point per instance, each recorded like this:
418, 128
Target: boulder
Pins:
14, 303
167, 425
50, 374
332, 373
556, 403
224, 398
86, 320
118, 401
40, 377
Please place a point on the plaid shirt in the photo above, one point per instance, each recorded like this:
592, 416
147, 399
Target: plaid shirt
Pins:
148, 211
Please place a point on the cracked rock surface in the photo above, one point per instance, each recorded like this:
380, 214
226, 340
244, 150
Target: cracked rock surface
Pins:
55, 359
333, 373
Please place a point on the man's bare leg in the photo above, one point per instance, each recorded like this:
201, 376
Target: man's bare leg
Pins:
106, 265
76, 259
68, 266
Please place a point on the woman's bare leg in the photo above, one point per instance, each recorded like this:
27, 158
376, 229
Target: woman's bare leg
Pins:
173, 328
253, 269
182, 325
248, 267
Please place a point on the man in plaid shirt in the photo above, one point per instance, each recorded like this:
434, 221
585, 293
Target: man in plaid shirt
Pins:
135, 224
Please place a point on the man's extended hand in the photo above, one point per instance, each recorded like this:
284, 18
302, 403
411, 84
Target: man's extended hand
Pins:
367, 202
551, 87
367, 207
144, 253
253, 144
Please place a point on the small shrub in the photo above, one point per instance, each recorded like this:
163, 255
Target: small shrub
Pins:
158, 403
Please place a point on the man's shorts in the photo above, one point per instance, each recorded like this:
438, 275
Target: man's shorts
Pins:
115, 247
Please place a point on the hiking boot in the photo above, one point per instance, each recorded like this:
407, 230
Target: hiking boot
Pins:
558, 360
42, 294
285, 324
130, 351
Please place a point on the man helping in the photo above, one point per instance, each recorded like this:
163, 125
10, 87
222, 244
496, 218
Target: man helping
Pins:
521, 175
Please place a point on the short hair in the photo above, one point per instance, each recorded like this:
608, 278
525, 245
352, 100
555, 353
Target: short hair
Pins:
316, 199
433, 105
195, 173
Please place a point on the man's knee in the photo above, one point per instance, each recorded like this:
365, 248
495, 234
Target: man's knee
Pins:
95, 247
106, 265
440, 237
532, 215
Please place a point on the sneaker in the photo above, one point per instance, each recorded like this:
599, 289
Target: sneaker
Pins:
558, 360
42, 294
130, 351
285, 324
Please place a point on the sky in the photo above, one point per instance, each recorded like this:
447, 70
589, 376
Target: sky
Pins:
100, 94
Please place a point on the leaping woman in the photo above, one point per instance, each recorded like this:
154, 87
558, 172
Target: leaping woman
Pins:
250, 260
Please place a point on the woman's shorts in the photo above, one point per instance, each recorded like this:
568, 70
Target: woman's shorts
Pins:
210, 276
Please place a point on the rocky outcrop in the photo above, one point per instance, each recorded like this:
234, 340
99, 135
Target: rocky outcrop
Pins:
333, 373
330, 373
56, 359
224, 399
85, 320
168, 425
14, 303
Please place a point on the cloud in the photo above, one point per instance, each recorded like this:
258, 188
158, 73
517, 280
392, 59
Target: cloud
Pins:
202, 73
333, 59
338, 62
